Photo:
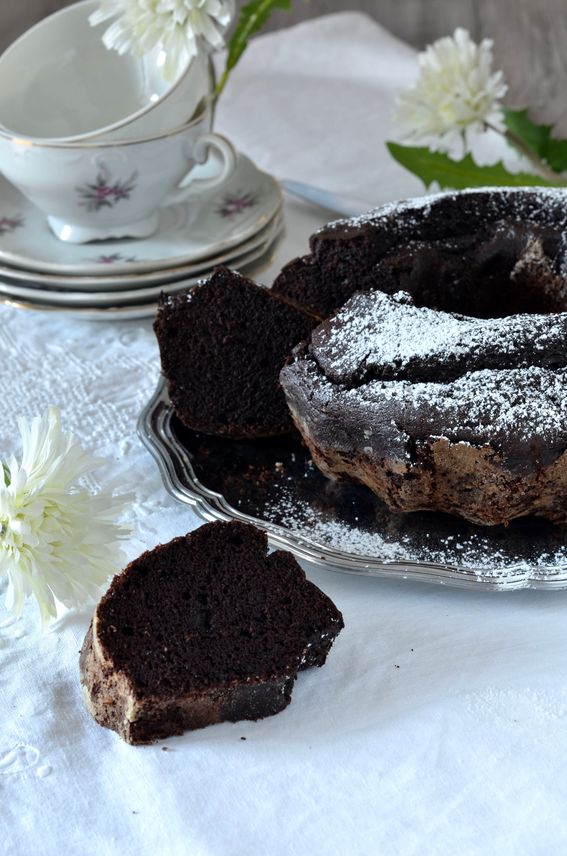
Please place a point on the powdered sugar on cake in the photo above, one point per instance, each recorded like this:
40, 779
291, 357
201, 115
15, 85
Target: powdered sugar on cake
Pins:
524, 402
376, 335
422, 205
466, 378
487, 406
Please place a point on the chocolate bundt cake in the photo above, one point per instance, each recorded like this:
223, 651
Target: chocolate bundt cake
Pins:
486, 253
434, 410
205, 629
222, 345
440, 384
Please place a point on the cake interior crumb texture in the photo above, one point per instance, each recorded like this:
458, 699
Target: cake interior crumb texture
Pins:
222, 345
206, 628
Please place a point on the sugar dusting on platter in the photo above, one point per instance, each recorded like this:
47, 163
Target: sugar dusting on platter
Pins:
426, 539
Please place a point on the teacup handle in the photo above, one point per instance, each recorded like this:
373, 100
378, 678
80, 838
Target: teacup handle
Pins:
199, 154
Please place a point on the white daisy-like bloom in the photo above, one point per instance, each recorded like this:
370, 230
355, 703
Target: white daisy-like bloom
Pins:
176, 26
58, 541
456, 97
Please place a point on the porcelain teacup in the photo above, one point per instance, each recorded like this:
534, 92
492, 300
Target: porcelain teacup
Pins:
100, 190
59, 82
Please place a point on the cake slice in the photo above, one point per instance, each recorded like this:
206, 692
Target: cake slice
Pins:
222, 345
205, 629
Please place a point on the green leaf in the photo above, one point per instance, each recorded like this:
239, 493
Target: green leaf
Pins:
458, 174
252, 18
6, 473
538, 138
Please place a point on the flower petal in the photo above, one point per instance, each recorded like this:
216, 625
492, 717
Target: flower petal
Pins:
58, 541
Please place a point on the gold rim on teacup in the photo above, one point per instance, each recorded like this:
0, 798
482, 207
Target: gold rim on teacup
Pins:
52, 29
38, 142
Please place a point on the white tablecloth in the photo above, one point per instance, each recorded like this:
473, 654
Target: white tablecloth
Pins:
438, 725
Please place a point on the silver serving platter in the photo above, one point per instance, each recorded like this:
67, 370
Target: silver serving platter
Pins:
274, 485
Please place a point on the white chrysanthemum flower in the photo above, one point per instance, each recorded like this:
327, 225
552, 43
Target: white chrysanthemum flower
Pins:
174, 25
57, 540
456, 96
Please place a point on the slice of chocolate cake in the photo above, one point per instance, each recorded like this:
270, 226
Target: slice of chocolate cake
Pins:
205, 629
222, 346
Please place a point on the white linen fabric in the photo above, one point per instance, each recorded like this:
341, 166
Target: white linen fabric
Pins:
438, 725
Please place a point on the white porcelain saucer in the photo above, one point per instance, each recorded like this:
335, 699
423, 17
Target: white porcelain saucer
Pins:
197, 230
64, 298
127, 312
90, 285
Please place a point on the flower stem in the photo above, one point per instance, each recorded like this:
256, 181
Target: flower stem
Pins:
517, 143
221, 84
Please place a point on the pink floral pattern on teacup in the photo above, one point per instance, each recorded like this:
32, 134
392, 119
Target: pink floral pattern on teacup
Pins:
236, 203
10, 224
105, 192
113, 258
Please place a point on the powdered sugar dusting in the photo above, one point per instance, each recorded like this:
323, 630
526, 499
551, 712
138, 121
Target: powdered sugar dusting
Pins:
422, 205
427, 373
496, 407
480, 553
483, 405
380, 335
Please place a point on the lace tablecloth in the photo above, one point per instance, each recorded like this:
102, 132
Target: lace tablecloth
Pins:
438, 725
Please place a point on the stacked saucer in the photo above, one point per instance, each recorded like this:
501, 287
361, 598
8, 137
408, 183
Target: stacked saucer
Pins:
235, 224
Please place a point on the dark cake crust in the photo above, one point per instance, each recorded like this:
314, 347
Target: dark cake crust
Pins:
205, 629
110, 700
465, 252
